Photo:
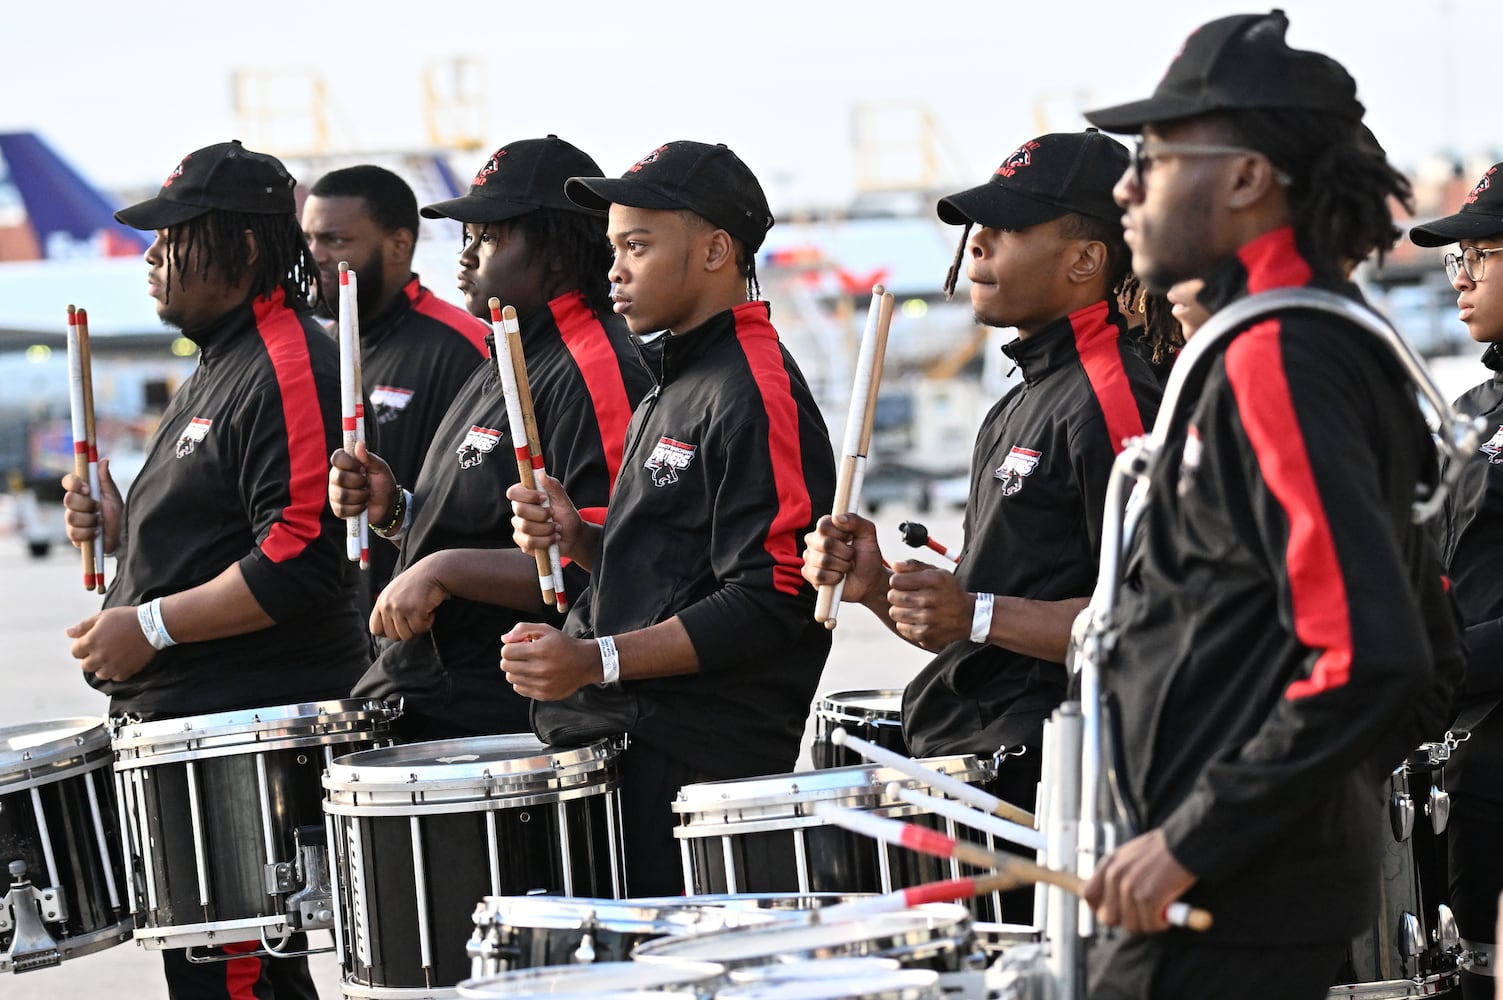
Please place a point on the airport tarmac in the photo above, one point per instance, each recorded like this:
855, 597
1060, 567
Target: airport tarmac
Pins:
41, 597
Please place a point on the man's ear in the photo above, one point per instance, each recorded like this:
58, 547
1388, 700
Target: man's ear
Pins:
252, 250
1252, 179
402, 241
720, 250
1089, 262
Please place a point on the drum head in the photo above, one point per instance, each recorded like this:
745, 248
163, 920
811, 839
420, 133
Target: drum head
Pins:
269, 728
882, 703
654, 918
37, 753
590, 980
891, 984
485, 766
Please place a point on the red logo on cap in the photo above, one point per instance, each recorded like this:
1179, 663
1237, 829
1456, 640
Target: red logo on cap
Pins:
1482, 185
491, 166
1020, 158
178, 172
649, 158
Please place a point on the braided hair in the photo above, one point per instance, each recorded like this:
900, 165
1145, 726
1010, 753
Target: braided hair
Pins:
283, 259
1161, 335
578, 242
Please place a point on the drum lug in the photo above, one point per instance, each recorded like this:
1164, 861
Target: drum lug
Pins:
280, 878
1446, 934
312, 906
1411, 936
1401, 815
585, 953
1439, 808
24, 908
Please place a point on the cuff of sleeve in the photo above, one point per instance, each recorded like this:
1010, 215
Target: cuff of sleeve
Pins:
1197, 843
714, 639
279, 601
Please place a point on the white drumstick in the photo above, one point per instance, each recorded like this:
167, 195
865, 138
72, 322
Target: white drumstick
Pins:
351, 405
953, 787
976, 819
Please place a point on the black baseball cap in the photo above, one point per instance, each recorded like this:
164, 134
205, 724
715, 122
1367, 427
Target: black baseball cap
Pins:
1043, 179
226, 177
520, 177
1480, 218
1236, 62
710, 181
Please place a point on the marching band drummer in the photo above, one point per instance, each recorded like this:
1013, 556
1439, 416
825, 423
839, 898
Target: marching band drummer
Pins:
697, 635
232, 590
460, 582
1285, 638
1048, 259
1470, 546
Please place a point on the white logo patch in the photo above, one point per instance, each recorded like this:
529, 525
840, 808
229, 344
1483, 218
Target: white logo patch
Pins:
1493, 449
478, 442
668, 459
1019, 463
196, 431
389, 401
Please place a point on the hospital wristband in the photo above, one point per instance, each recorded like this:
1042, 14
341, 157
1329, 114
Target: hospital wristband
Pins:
610, 660
149, 616
981, 618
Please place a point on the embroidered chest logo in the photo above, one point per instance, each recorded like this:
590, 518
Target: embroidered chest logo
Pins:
1189, 461
478, 442
389, 401
196, 431
1493, 448
668, 459
1019, 463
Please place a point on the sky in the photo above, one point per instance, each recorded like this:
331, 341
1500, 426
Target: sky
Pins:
125, 89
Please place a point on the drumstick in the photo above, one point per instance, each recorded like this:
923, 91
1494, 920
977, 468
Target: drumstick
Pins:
365, 517
917, 536
80, 437
86, 365
939, 845
946, 891
858, 433
534, 444
517, 426
351, 403
1017, 833
953, 787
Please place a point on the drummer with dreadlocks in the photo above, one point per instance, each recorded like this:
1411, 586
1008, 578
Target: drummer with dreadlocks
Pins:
232, 589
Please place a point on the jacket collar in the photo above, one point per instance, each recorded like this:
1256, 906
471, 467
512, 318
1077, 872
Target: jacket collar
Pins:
680, 351
1062, 341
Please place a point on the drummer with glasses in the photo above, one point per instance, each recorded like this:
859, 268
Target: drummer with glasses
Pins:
1471, 544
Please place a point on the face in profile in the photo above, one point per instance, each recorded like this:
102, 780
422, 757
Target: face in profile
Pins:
655, 286
187, 298
1017, 276
498, 262
1479, 300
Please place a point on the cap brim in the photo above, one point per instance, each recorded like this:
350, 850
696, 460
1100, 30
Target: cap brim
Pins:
1455, 228
158, 213
1128, 119
996, 207
600, 193
475, 209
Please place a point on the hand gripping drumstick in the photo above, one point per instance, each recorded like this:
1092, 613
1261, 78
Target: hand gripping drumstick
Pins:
947, 891
86, 364
352, 402
916, 536
80, 436
939, 845
953, 787
858, 432
517, 425
534, 442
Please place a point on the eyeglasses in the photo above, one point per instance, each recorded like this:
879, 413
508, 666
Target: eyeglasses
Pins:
1472, 259
1143, 157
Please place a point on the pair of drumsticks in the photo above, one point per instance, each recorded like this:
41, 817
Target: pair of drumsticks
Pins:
85, 445
352, 404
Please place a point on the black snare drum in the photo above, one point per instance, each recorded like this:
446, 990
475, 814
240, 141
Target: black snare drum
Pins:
224, 819
875, 715
66, 893
426, 829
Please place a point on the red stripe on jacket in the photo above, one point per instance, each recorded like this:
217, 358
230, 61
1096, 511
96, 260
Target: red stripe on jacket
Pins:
1317, 590
450, 315
590, 347
286, 345
241, 974
1273, 261
759, 341
1096, 341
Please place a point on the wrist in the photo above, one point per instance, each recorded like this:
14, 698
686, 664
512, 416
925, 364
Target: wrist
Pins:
610, 660
394, 525
981, 618
149, 617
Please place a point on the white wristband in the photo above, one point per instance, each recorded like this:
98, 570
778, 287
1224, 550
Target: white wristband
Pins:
610, 660
149, 616
981, 618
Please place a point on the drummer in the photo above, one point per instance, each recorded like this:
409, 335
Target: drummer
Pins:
697, 635
461, 583
1469, 546
1285, 637
232, 589
1048, 259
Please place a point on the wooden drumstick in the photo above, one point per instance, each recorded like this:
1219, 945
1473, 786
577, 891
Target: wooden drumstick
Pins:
858, 433
80, 437
939, 845
534, 441
516, 425
946, 891
953, 787
86, 364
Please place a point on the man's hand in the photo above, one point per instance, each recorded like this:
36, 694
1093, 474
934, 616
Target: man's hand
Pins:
1136, 883
928, 605
361, 482
543, 663
110, 645
845, 545
85, 513
535, 527
407, 604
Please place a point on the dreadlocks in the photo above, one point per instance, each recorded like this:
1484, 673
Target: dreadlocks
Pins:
1338, 190
282, 256
577, 241
1162, 335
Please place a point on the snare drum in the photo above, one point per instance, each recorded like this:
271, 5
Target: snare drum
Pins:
426, 829
66, 893
758, 835
694, 978
934, 936
225, 831
875, 715
901, 984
